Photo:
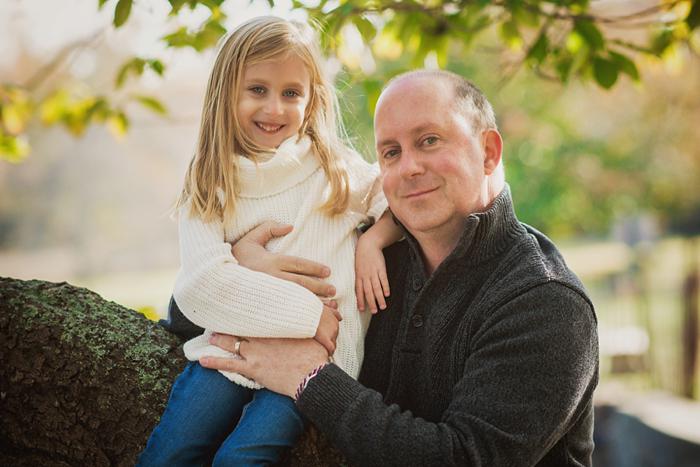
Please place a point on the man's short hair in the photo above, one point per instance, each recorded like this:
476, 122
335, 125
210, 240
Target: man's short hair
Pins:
469, 98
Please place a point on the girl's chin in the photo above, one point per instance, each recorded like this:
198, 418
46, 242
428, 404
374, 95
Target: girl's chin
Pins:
272, 142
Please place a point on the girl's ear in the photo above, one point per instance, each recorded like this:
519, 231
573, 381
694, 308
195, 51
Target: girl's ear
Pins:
493, 150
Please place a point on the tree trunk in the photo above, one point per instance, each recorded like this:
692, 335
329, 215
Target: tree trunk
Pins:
83, 381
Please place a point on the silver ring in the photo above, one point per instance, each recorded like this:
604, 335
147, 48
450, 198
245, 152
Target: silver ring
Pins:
237, 349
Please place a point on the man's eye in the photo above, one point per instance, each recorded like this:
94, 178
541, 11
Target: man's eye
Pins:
391, 153
430, 140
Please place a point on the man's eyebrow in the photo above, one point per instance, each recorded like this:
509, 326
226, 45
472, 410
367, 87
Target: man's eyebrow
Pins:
415, 131
422, 128
386, 142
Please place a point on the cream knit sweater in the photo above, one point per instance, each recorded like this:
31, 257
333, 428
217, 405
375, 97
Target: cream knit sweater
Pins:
216, 293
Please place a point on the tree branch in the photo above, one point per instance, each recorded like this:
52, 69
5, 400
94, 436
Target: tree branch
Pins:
61, 58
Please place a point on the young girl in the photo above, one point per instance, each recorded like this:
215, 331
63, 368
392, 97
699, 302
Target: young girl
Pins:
269, 149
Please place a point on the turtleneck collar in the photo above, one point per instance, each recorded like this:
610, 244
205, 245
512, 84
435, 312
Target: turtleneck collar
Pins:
485, 235
292, 163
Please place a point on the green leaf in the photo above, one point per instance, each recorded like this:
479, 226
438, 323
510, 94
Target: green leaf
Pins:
538, 50
510, 33
100, 4
625, 65
366, 28
344, 9
525, 16
175, 6
590, 33
271, 3
99, 111
121, 13
209, 35
661, 41
134, 66
693, 18
564, 66
605, 72
152, 104
373, 88
157, 66
180, 38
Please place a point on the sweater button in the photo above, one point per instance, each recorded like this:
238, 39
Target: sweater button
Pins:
417, 321
417, 284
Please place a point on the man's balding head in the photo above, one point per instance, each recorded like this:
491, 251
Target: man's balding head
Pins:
468, 99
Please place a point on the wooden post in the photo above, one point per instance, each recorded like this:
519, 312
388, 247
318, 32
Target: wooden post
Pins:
689, 333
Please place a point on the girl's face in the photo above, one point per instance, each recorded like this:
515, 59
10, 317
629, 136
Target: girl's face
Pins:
272, 99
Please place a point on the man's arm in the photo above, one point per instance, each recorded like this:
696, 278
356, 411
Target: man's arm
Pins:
529, 375
251, 253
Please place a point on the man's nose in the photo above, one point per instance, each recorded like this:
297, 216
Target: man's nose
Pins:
410, 164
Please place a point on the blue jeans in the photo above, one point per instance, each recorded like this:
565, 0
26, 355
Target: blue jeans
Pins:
210, 420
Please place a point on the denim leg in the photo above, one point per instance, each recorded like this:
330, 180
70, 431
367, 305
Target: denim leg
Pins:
203, 409
270, 424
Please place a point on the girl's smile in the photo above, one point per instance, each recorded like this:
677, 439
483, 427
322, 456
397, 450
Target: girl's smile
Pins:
272, 99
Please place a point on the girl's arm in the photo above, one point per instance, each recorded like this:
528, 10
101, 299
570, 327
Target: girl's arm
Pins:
215, 292
371, 283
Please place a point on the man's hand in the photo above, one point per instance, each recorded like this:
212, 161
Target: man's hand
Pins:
250, 252
278, 364
327, 331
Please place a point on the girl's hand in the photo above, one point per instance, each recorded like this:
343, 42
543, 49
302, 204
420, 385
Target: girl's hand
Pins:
328, 327
371, 283
250, 252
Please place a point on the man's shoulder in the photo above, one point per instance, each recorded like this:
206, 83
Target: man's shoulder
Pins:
532, 262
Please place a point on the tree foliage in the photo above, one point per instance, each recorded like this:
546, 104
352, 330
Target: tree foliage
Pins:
556, 39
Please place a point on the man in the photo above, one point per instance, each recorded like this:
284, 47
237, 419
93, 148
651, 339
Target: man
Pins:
487, 353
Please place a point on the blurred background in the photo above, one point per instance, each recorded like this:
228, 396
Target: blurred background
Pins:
598, 103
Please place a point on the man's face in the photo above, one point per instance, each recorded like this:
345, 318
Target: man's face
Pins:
433, 164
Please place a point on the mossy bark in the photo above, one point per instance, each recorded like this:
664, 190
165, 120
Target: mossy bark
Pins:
83, 381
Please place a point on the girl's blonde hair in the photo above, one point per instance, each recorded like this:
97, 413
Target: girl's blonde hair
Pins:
221, 139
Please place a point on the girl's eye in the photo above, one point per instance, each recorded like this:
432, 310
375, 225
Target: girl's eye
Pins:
257, 89
291, 93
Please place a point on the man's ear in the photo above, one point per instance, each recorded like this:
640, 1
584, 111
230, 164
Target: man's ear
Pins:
493, 150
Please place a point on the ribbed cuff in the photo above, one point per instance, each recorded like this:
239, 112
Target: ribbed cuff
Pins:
327, 397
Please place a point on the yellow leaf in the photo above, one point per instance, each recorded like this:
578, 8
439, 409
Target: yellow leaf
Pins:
386, 46
13, 148
118, 125
149, 312
54, 107
674, 60
12, 119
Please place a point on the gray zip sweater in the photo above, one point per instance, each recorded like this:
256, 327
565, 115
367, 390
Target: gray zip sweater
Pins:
490, 361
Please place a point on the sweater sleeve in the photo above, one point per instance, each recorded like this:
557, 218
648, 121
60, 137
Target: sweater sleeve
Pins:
215, 292
529, 375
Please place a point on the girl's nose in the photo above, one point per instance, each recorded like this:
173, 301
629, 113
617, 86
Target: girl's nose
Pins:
273, 106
